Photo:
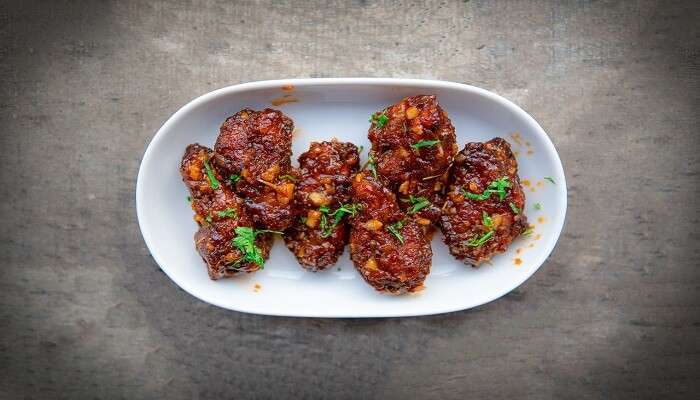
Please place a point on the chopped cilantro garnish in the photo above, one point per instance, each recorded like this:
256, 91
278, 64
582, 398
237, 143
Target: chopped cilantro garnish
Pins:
289, 178
537, 206
208, 218
486, 219
514, 208
234, 178
424, 143
395, 229
189, 199
351, 209
227, 213
498, 187
245, 243
210, 174
549, 178
417, 203
474, 196
372, 166
326, 230
379, 120
345, 209
480, 240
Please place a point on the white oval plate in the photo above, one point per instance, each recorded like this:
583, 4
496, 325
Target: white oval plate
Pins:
323, 109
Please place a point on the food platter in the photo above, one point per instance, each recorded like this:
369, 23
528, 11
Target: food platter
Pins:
323, 109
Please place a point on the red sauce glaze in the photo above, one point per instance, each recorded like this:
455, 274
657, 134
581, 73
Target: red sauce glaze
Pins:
421, 172
257, 146
324, 179
378, 255
213, 239
474, 169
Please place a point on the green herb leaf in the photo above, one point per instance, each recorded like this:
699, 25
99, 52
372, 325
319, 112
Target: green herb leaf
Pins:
227, 213
372, 166
326, 230
303, 220
379, 120
498, 187
189, 199
549, 178
479, 241
345, 209
395, 229
351, 209
486, 219
236, 265
474, 196
537, 206
417, 203
289, 178
514, 208
424, 143
208, 218
213, 182
234, 178
244, 241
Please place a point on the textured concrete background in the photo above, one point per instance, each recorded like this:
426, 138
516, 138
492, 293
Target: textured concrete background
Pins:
86, 312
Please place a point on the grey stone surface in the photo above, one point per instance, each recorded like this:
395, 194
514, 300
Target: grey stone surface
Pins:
86, 313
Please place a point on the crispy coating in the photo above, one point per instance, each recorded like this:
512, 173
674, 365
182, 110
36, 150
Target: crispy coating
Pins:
256, 146
462, 220
402, 163
218, 212
379, 256
324, 177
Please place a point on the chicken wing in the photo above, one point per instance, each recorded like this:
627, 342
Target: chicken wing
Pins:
413, 143
222, 218
389, 249
317, 238
484, 210
253, 153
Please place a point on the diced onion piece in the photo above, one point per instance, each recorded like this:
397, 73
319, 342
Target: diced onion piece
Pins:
496, 219
318, 199
312, 218
195, 172
271, 173
411, 112
371, 264
285, 192
373, 225
403, 189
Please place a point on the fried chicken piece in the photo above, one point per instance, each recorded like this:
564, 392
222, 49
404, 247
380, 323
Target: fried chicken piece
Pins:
321, 198
483, 211
218, 212
253, 151
413, 143
389, 249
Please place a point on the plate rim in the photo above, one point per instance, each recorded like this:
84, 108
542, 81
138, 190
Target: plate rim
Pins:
301, 82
